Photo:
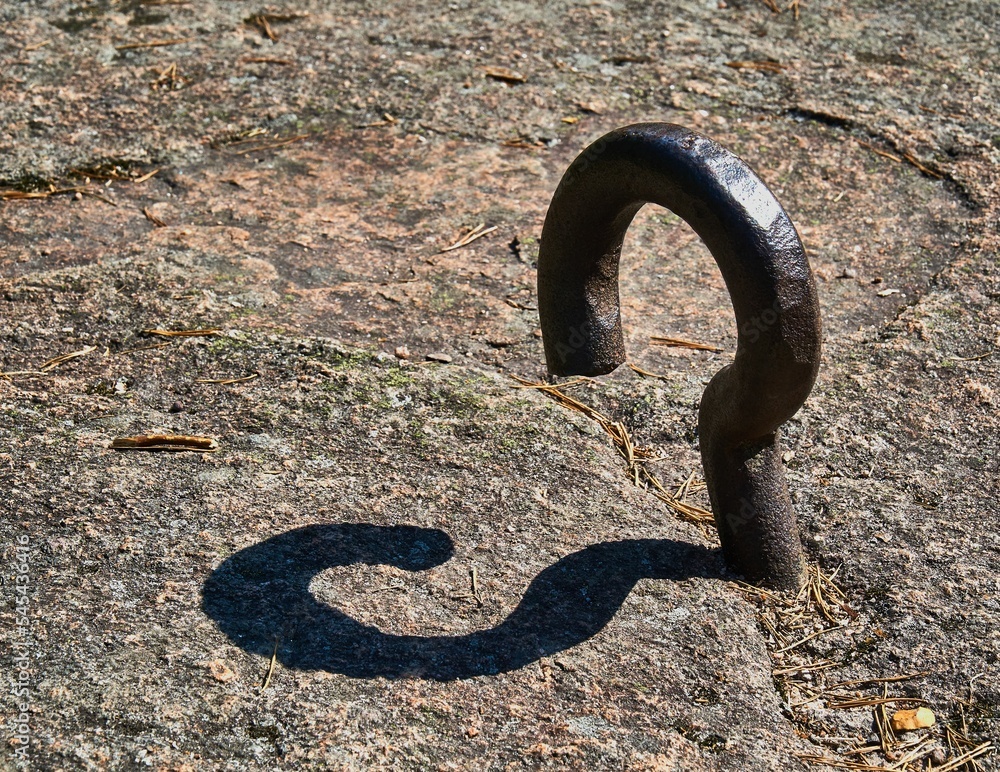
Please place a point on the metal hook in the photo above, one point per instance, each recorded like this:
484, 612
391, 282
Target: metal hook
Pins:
772, 292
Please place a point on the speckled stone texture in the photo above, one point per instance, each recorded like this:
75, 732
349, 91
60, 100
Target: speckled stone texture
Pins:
304, 190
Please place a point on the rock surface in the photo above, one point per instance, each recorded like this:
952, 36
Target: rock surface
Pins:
428, 567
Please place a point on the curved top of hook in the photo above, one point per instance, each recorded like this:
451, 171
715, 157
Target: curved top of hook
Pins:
747, 231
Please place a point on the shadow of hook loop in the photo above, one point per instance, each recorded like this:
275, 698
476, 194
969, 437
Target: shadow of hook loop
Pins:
263, 591
773, 296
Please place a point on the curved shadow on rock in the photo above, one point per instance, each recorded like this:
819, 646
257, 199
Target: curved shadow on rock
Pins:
263, 591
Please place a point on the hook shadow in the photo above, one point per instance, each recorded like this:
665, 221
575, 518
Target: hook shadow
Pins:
263, 591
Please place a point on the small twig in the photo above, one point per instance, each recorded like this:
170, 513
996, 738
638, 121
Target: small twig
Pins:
56, 361
265, 25
98, 196
646, 373
809, 637
270, 666
865, 702
633, 455
182, 333
175, 442
266, 60
153, 44
153, 218
475, 585
883, 725
839, 764
806, 668
975, 358
10, 373
504, 75
387, 120
965, 758
52, 191
765, 66
882, 153
657, 340
148, 175
519, 306
476, 233
886, 680
912, 159
227, 381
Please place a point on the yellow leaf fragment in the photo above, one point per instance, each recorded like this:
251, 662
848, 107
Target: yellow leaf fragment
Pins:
907, 720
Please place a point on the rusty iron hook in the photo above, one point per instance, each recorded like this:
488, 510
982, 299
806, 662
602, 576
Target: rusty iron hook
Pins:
773, 295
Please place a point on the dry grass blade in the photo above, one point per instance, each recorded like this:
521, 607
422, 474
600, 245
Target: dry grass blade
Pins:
261, 22
685, 487
13, 195
182, 333
174, 442
147, 176
912, 159
690, 512
842, 764
157, 222
965, 758
886, 737
906, 157
522, 141
809, 668
872, 681
56, 361
633, 455
882, 153
9, 195
519, 306
646, 373
271, 145
810, 637
270, 667
387, 120
11, 373
524, 383
153, 44
764, 66
267, 60
168, 78
504, 75
476, 233
866, 702
226, 381
658, 340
